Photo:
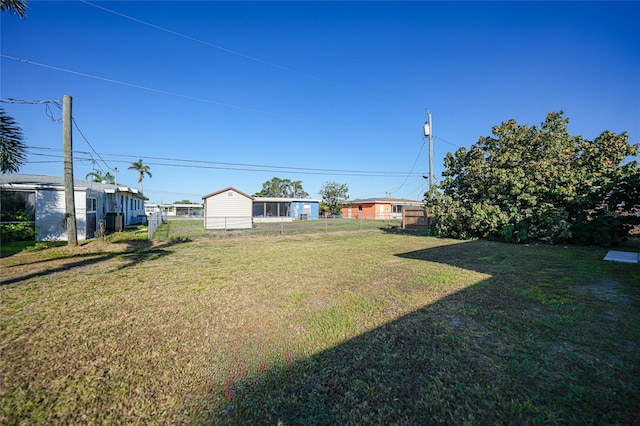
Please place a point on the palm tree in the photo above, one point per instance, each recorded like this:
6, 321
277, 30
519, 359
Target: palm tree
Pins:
11, 146
19, 7
98, 176
142, 169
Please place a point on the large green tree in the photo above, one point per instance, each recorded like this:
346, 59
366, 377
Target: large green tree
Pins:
12, 148
142, 169
284, 188
333, 194
537, 183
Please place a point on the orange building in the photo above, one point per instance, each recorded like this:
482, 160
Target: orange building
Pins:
377, 208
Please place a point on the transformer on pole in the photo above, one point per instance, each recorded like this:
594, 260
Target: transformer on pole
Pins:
428, 132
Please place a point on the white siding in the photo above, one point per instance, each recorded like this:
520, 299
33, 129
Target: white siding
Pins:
228, 210
50, 219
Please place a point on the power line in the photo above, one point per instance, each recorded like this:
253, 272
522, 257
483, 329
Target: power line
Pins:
50, 115
203, 164
89, 143
446, 141
175, 94
29, 102
410, 171
235, 52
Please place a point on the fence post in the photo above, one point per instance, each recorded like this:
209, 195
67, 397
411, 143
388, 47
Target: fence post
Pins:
155, 220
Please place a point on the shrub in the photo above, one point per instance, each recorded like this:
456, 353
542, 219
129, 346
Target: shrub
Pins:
22, 229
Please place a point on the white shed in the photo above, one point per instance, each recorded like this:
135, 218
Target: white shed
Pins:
228, 209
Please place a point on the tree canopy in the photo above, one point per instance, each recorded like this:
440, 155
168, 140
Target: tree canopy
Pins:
538, 183
283, 188
12, 147
333, 194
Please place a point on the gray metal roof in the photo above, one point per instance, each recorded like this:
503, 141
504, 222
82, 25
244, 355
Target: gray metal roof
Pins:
56, 182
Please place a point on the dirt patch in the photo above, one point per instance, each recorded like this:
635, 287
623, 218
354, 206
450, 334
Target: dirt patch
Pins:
608, 290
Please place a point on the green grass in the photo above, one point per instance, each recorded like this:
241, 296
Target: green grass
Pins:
195, 228
11, 248
357, 326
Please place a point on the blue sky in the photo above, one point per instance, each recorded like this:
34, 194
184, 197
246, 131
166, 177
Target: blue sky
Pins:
217, 94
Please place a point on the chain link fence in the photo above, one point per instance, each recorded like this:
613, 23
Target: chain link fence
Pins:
155, 220
230, 226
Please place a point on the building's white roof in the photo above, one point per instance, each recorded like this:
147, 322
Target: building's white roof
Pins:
57, 183
284, 200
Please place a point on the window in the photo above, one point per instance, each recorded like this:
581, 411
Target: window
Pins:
16, 206
359, 207
230, 194
92, 204
271, 209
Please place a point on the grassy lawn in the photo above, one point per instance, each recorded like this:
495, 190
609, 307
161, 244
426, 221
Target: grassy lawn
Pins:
195, 228
357, 326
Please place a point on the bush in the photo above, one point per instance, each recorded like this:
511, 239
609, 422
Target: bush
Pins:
600, 228
20, 230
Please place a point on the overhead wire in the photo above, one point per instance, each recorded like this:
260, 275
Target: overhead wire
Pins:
300, 170
89, 143
234, 52
410, 171
175, 94
204, 164
446, 141
28, 102
49, 114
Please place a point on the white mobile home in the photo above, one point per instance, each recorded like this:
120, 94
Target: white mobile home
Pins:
42, 199
227, 209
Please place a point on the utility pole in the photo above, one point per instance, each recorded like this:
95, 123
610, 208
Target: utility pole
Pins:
69, 198
428, 132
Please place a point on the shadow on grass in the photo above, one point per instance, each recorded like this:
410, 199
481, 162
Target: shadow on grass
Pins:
496, 352
399, 230
133, 252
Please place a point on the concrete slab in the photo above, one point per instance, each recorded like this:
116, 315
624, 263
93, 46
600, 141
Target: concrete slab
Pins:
623, 256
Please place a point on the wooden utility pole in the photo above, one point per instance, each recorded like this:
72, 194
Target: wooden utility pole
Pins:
430, 151
67, 147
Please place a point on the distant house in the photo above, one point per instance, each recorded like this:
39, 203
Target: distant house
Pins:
377, 208
43, 199
227, 208
175, 209
276, 209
